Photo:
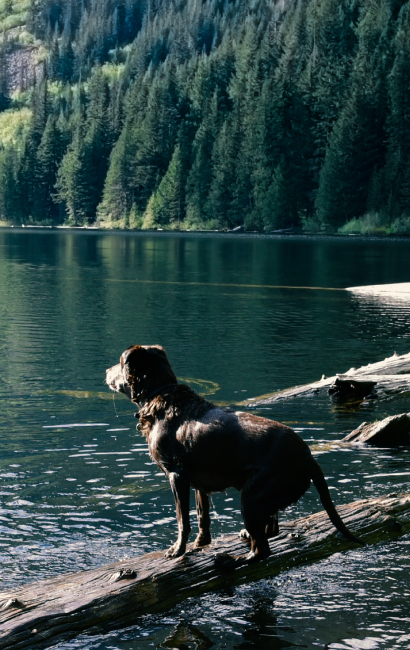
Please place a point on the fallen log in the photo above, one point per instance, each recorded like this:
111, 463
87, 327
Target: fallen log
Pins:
397, 291
391, 378
348, 390
393, 431
44, 613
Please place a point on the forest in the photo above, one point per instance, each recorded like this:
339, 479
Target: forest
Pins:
210, 114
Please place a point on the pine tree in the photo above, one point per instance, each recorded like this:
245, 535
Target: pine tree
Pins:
4, 91
48, 157
168, 207
200, 175
117, 195
8, 195
223, 160
398, 158
153, 141
72, 186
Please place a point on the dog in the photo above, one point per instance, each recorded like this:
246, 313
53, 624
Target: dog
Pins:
198, 444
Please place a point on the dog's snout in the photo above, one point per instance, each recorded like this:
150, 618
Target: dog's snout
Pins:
114, 377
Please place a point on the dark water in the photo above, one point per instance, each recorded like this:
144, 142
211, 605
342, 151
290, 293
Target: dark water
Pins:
239, 317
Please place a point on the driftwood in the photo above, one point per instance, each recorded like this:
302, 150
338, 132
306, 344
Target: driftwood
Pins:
390, 378
347, 390
44, 613
397, 291
393, 431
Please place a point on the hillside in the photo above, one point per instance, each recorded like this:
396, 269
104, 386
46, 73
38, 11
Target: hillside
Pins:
206, 114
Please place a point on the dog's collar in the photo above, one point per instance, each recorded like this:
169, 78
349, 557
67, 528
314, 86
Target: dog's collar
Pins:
155, 392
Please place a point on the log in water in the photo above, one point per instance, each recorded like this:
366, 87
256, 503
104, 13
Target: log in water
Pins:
44, 613
393, 431
390, 378
397, 291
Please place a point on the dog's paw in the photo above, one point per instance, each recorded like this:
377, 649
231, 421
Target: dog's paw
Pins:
257, 556
244, 534
176, 550
202, 540
251, 558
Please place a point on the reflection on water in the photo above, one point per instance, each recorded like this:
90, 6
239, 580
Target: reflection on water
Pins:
77, 486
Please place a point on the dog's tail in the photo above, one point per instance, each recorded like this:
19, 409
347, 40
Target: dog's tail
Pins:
321, 486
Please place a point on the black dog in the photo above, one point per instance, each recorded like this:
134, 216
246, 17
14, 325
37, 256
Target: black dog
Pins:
196, 443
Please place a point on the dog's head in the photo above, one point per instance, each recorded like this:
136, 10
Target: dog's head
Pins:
143, 370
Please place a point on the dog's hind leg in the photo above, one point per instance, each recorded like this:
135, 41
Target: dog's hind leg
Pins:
272, 527
204, 521
255, 519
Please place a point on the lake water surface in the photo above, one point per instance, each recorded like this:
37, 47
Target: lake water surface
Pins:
239, 316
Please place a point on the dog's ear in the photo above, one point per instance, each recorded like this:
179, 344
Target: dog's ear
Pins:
156, 349
157, 355
129, 351
146, 367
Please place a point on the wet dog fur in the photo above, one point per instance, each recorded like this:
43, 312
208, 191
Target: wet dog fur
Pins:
198, 444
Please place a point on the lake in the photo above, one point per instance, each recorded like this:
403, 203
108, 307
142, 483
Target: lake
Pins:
239, 316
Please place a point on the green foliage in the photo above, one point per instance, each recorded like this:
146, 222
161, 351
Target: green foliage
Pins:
72, 187
48, 159
371, 223
213, 114
168, 206
8, 195
14, 125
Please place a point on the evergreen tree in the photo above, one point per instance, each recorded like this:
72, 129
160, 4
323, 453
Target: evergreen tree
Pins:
117, 195
168, 207
8, 197
72, 186
4, 91
65, 68
200, 175
398, 159
221, 191
152, 140
48, 157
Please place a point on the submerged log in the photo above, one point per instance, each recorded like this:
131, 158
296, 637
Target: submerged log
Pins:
391, 378
44, 613
393, 431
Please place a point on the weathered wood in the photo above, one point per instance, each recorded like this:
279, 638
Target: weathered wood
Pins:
391, 378
397, 291
346, 390
41, 614
390, 432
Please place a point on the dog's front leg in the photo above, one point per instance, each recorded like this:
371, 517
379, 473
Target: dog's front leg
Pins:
204, 522
180, 490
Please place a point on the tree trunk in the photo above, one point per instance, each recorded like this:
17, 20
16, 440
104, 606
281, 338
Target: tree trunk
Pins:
44, 613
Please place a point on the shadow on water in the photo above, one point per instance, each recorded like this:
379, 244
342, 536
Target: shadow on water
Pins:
263, 629
260, 630
217, 622
187, 637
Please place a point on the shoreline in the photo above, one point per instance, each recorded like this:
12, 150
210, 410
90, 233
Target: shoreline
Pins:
295, 234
